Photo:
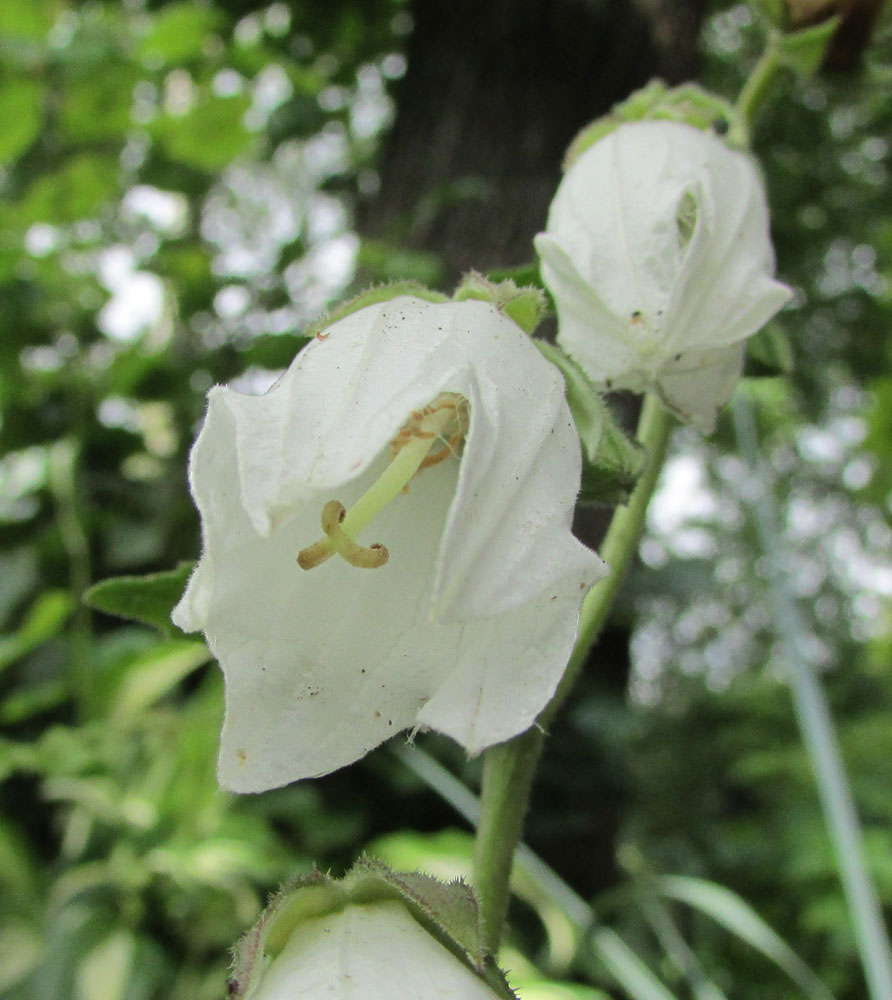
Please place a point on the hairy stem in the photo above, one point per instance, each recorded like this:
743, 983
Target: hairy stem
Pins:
757, 88
508, 768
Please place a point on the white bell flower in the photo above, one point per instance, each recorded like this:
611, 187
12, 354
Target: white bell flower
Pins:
462, 612
658, 254
367, 952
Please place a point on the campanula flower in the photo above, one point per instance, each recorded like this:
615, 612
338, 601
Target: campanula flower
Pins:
386, 541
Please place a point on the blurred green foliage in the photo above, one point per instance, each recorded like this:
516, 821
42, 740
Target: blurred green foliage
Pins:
178, 184
130, 138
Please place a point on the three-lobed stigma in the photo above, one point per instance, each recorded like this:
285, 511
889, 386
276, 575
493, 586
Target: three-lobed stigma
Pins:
428, 437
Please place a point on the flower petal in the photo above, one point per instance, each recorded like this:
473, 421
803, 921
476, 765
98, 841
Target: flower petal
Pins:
698, 382
366, 953
725, 290
468, 626
596, 338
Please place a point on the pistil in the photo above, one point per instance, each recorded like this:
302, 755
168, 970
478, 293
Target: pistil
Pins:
444, 422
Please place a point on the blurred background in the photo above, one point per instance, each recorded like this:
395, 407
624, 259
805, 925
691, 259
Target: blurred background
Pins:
184, 187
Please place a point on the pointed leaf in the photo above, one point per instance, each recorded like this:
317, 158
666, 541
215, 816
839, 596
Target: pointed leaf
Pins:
148, 599
803, 51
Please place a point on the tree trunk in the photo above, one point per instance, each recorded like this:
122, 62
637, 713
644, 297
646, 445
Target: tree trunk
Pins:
493, 94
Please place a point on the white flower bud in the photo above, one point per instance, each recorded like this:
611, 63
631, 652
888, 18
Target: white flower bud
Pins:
658, 255
367, 952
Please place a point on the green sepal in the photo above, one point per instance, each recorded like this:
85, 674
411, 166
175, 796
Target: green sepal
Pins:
689, 104
768, 352
611, 460
446, 911
526, 305
803, 51
148, 599
373, 296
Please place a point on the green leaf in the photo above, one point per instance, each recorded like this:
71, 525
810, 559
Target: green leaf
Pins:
178, 33
148, 599
737, 916
611, 460
154, 673
95, 103
77, 189
32, 700
21, 113
548, 989
44, 619
104, 972
768, 352
208, 136
803, 51
27, 19
21, 948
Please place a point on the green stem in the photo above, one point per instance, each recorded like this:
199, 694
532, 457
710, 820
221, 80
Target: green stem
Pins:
508, 768
758, 87
619, 545
607, 949
816, 726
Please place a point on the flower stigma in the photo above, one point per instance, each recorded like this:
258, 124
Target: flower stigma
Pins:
428, 437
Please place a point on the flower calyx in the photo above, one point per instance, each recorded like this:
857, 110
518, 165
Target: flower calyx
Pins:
688, 103
526, 305
328, 932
